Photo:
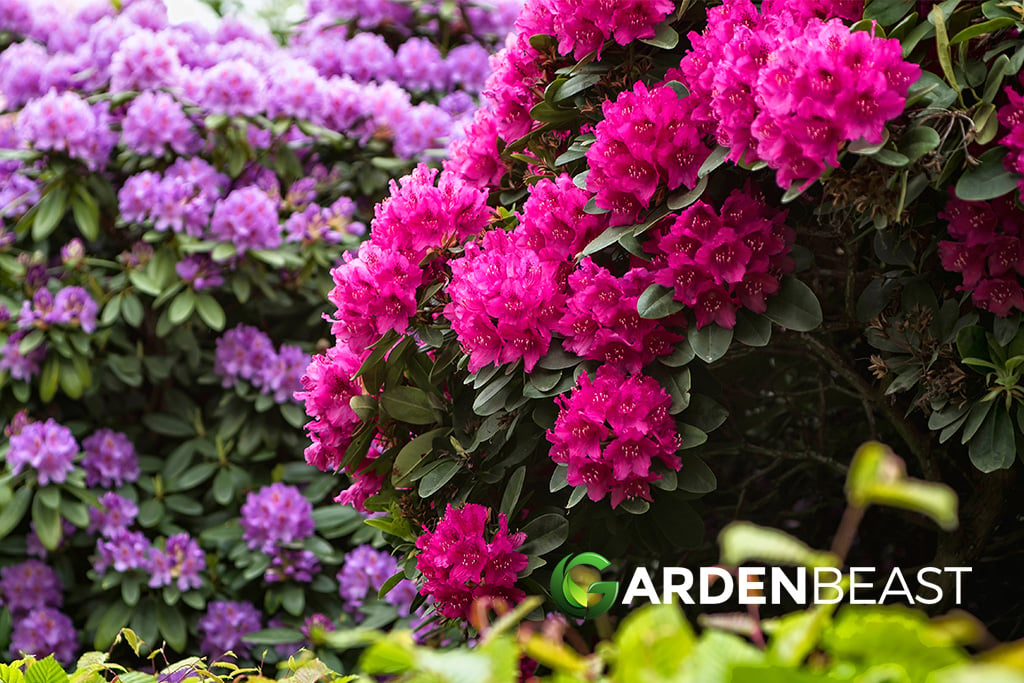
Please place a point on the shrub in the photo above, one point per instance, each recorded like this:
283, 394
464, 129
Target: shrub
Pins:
173, 198
695, 217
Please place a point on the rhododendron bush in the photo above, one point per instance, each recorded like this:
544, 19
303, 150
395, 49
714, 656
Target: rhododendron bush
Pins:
173, 198
682, 240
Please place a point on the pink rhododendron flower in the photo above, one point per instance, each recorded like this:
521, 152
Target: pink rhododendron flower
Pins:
602, 322
505, 302
718, 263
612, 432
328, 386
645, 140
986, 250
459, 564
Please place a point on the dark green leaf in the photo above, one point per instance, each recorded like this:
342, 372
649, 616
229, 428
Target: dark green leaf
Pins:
794, 307
510, 497
181, 307
13, 512
51, 209
545, 533
988, 180
695, 476
408, 404
210, 312
657, 302
47, 524
710, 342
171, 625
439, 475
665, 37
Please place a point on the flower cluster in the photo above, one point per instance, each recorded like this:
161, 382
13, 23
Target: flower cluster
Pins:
155, 122
115, 513
583, 27
45, 631
328, 385
110, 459
602, 323
224, 625
178, 563
248, 219
71, 306
554, 223
247, 353
1011, 116
65, 122
460, 566
719, 263
790, 89
28, 585
612, 432
181, 199
986, 250
49, 448
274, 516
364, 573
376, 291
505, 302
646, 140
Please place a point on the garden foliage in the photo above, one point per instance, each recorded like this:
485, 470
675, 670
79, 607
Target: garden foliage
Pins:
669, 217
173, 198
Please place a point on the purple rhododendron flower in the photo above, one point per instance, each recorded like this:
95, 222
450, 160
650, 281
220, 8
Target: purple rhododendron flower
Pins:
48, 447
223, 626
275, 515
110, 460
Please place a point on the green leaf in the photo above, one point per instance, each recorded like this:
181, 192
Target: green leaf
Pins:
71, 381
988, 179
794, 307
714, 160
49, 379
510, 497
938, 18
412, 454
752, 329
14, 510
45, 671
275, 636
981, 29
30, 342
171, 625
545, 533
741, 542
665, 37
657, 302
439, 475
681, 200
607, 238
50, 210
132, 310
392, 581
181, 307
408, 404
166, 424
86, 213
210, 312
710, 342
47, 524
113, 620
878, 477
993, 447
576, 85
223, 251
695, 476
